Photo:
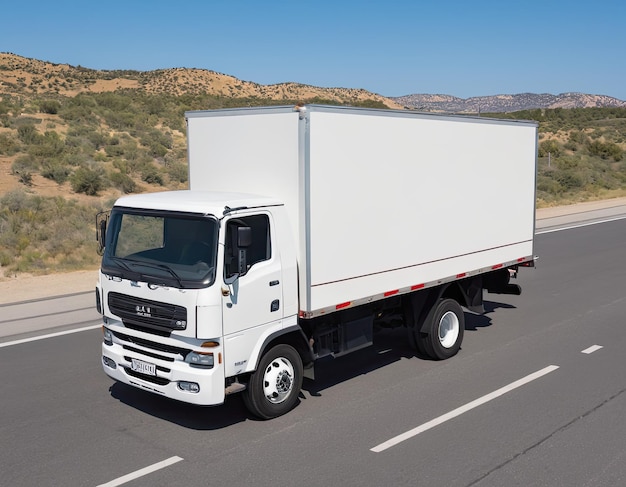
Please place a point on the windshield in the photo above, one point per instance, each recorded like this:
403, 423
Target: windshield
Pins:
172, 249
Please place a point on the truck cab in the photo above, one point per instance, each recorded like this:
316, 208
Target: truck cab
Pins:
192, 288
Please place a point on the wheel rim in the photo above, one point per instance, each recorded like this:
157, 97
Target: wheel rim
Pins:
448, 329
278, 380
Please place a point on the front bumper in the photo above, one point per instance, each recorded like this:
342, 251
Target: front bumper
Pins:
117, 364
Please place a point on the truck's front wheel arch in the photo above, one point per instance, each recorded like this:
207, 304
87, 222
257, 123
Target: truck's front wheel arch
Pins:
293, 337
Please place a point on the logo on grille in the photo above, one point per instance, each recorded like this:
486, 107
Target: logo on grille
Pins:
143, 311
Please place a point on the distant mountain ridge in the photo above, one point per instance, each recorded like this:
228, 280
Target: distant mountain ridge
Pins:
505, 103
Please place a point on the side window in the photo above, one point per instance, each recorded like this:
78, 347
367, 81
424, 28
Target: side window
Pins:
259, 250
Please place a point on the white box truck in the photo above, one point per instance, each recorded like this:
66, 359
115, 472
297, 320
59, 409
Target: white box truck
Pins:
304, 229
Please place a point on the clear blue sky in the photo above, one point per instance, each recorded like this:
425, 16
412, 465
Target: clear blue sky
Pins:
462, 48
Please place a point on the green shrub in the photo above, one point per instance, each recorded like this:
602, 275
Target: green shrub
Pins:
578, 137
569, 179
121, 165
13, 202
49, 106
74, 159
24, 164
88, 181
572, 146
114, 150
157, 142
121, 120
123, 182
551, 147
130, 150
55, 171
79, 109
48, 145
605, 150
97, 139
28, 134
548, 185
567, 162
150, 174
178, 172
8, 145
157, 150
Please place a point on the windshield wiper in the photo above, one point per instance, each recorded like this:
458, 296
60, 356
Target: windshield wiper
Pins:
120, 262
164, 267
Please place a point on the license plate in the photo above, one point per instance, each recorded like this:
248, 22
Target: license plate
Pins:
143, 367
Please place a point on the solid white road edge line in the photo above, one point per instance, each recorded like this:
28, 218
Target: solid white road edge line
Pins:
49, 335
541, 232
463, 409
593, 348
142, 472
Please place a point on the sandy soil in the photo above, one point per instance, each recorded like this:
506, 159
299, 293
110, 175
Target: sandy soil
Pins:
25, 287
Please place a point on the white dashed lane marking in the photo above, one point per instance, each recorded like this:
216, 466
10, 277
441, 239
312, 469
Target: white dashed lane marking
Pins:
463, 409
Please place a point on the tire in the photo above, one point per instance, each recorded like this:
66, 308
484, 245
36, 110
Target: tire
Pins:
443, 330
274, 388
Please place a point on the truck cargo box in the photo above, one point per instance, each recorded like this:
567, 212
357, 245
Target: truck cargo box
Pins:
382, 201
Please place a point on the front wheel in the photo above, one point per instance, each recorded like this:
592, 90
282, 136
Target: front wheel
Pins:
442, 335
273, 389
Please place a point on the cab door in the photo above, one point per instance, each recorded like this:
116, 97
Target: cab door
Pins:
252, 287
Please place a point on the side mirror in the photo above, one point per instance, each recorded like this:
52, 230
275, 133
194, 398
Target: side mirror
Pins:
244, 240
241, 240
102, 219
244, 237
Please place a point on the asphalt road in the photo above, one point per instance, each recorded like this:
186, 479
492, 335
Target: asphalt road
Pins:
535, 397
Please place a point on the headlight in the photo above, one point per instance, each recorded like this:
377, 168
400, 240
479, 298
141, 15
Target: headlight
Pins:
200, 359
108, 336
98, 302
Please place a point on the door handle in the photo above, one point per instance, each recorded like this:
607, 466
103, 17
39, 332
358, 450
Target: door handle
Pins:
274, 283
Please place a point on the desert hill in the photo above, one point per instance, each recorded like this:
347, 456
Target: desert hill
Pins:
20, 75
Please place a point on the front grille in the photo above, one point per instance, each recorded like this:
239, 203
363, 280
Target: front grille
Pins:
147, 354
140, 314
157, 350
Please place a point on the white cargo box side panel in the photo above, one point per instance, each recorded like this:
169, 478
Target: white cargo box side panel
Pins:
256, 151
397, 200
245, 151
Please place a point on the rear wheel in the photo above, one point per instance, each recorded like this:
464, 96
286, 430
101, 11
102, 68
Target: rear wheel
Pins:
443, 330
273, 389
